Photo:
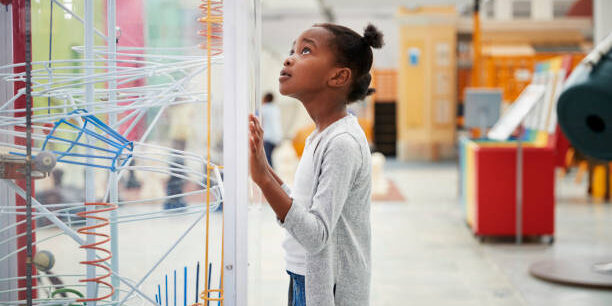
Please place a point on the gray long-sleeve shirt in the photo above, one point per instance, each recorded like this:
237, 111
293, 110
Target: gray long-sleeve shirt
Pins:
334, 227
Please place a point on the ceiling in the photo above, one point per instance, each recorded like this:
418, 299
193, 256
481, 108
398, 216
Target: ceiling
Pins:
284, 20
354, 5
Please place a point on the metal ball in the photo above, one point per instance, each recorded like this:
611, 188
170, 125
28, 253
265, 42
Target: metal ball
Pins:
44, 260
44, 161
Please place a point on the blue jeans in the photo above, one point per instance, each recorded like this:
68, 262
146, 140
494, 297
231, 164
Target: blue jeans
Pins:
268, 149
297, 290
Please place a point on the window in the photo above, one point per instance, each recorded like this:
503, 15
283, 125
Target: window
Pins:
560, 8
521, 9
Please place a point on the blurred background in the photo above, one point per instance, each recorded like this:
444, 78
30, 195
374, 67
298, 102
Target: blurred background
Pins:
444, 194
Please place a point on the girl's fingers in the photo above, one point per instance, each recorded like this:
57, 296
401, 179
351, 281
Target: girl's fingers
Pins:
253, 145
254, 139
255, 127
255, 131
258, 129
252, 123
253, 120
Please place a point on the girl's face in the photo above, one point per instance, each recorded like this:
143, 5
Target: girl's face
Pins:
309, 66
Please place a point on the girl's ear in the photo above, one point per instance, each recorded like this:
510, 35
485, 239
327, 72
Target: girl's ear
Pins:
340, 77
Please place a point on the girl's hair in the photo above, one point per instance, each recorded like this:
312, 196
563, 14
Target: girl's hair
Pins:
355, 52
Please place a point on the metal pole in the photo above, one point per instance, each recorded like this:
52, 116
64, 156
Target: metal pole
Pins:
519, 189
89, 174
28, 196
476, 45
483, 124
77, 17
111, 12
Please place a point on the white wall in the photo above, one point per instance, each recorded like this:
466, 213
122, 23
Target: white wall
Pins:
601, 17
279, 30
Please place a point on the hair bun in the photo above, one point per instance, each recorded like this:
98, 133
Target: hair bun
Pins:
373, 37
361, 88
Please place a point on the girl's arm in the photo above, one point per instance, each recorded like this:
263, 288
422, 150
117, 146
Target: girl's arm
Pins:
263, 175
273, 174
311, 227
277, 197
284, 186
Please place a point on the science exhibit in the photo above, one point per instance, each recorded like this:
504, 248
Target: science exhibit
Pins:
116, 118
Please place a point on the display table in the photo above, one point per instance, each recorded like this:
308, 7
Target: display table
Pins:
488, 188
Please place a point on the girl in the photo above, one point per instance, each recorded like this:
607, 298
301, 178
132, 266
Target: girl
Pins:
327, 214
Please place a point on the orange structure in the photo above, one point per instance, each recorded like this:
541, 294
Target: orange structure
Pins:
385, 83
212, 19
98, 246
382, 111
513, 73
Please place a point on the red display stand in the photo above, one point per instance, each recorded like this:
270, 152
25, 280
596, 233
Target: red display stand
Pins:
494, 193
489, 168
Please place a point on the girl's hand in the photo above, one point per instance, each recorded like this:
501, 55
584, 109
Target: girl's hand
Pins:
258, 164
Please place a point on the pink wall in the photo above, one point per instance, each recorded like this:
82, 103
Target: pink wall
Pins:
130, 19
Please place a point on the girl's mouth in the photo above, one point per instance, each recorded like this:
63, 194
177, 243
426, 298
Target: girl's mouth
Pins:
284, 75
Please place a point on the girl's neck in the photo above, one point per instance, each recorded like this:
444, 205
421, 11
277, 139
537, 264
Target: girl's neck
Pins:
325, 110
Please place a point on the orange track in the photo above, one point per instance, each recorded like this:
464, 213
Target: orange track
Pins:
92, 214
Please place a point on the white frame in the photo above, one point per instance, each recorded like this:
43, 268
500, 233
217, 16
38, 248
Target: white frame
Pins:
238, 56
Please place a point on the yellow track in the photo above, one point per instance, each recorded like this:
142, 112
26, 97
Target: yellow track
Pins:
209, 20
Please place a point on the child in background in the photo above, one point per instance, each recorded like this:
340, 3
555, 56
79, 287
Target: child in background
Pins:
327, 213
270, 117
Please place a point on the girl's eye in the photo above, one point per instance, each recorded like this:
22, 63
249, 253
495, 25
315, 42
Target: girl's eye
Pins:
306, 50
291, 52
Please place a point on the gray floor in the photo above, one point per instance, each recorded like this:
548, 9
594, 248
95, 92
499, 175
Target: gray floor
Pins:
424, 254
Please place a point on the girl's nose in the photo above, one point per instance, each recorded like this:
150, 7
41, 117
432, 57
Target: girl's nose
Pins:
288, 61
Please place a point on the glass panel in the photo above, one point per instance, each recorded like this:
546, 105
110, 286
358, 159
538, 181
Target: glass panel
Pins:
134, 125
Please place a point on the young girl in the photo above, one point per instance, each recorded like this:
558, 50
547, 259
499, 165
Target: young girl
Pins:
327, 214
